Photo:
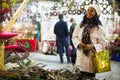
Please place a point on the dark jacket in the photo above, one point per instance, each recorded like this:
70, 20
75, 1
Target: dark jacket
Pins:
72, 27
61, 29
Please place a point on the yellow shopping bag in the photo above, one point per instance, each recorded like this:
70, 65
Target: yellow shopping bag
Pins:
101, 61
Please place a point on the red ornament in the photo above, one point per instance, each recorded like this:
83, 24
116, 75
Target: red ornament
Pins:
11, 47
7, 35
5, 11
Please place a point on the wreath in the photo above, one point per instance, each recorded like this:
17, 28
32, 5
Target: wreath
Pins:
70, 12
18, 20
55, 13
74, 12
24, 20
104, 11
64, 12
79, 12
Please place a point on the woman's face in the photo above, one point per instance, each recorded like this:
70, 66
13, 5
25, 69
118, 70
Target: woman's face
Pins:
90, 12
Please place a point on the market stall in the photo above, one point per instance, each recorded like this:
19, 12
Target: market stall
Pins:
36, 21
35, 25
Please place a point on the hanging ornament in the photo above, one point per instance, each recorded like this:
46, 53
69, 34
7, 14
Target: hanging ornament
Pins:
104, 11
5, 11
79, 12
55, 13
82, 7
70, 12
87, 2
5, 5
64, 12
6, 35
104, 5
74, 12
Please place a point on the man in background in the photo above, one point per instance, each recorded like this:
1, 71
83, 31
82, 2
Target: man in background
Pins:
62, 40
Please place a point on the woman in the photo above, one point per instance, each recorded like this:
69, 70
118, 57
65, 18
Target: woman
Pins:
88, 36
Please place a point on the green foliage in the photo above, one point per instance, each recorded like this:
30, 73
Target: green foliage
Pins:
33, 78
25, 64
4, 5
11, 75
30, 34
54, 0
39, 73
28, 63
14, 2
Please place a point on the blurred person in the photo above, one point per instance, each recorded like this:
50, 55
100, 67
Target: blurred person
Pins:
62, 40
88, 36
116, 47
38, 27
72, 27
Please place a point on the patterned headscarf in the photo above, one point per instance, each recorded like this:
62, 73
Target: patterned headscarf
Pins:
86, 36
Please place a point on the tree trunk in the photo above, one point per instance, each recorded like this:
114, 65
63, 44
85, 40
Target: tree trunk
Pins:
0, 5
10, 7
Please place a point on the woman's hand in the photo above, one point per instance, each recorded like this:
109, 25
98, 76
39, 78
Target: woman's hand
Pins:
81, 44
88, 46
